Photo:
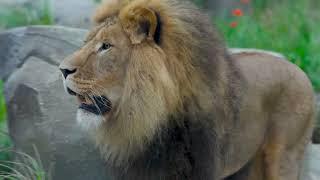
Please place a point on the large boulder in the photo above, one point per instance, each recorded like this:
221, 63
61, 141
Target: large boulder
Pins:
49, 44
42, 115
312, 163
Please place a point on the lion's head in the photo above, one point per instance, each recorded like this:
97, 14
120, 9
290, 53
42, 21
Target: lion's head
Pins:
145, 61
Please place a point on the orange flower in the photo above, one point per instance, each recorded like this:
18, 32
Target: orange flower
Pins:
234, 24
245, 1
237, 12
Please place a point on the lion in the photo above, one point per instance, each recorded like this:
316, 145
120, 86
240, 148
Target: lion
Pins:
163, 98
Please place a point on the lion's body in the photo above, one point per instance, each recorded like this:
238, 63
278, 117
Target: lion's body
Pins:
183, 106
276, 116
274, 126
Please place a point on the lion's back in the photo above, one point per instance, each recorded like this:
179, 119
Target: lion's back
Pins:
278, 94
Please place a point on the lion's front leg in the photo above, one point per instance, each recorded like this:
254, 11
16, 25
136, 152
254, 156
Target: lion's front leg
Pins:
271, 159
264, 166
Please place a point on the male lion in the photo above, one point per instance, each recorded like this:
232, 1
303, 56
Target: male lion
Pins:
165, 100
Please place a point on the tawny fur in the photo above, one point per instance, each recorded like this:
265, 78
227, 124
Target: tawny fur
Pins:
174, 78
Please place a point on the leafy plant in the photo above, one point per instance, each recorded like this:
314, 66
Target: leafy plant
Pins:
199, 3
24, 168
27, 14
2, 105
97, 1
284, 27
4, 138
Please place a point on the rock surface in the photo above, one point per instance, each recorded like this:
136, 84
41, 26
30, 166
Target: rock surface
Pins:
316, 133
41, 114
49, 44
312, 163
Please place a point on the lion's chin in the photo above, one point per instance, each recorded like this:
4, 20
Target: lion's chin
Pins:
89, 121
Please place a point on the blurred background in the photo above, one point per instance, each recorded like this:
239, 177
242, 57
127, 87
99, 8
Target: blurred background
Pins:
290, 27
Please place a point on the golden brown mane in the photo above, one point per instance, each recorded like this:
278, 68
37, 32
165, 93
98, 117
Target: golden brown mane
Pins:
178, 71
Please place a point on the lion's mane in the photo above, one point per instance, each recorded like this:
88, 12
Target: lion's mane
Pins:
184, 79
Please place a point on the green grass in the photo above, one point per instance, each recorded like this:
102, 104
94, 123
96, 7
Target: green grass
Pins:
14, 16
2, 106
5, 143
288, 28
24, 168
97, 1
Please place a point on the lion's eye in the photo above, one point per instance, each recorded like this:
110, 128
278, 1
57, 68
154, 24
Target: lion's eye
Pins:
104, 47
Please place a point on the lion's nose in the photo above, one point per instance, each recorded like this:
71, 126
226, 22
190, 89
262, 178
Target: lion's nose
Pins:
67, 72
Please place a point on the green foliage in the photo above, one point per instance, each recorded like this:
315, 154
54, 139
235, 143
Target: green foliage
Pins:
285, 27
259, 5
5, 145
46, 18
97, 1
26, 15
199, 3
2, 106
25, 167
4, 138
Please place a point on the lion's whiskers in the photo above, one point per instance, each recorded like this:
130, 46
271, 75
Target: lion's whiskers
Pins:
95, 103
96, 93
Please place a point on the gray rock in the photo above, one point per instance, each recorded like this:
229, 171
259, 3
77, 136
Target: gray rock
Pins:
40, 113
49, 44
316, 132
312, 163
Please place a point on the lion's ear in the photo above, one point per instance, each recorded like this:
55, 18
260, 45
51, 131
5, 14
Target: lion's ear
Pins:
140, 23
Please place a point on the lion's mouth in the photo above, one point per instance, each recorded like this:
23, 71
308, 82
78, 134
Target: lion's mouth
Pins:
98, 105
